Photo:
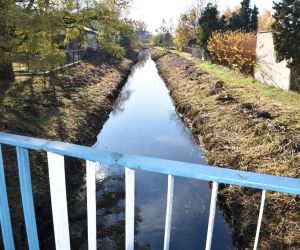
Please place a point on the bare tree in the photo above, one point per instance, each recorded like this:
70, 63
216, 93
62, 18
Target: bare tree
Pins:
200, 6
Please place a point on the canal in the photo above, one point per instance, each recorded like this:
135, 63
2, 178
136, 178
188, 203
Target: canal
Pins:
145, 122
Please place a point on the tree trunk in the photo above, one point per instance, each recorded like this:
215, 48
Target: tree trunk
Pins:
7, 72
295, 78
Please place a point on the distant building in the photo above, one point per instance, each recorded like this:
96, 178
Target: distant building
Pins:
73, 50
91, 35
144, 36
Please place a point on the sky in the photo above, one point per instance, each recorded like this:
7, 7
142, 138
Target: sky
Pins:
153, 11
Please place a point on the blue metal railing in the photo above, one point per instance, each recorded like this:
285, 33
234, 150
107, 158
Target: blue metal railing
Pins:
56, 151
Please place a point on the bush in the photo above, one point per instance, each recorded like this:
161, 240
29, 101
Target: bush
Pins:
234, 49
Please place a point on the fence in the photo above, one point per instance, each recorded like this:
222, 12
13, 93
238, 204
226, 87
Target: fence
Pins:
56, 152
197, 52
73, 56
24, 63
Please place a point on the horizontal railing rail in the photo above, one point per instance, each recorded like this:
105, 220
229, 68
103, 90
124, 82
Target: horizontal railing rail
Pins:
56, 152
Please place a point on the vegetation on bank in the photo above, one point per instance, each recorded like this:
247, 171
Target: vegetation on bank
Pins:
229, 37
197, 24
70, 106
290, 99
234, 49
241, 124
40, 30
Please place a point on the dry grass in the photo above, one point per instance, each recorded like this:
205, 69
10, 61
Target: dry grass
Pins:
54, 107
241, 127
289, 99
70, 107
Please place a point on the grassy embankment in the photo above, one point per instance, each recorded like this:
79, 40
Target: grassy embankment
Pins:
241, 124
70, 106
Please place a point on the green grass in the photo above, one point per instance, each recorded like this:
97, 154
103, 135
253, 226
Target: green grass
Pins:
236, 80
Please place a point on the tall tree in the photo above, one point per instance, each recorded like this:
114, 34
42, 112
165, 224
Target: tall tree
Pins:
208, 23
254, 19
27, 26
245, 15
186, 28
33, 27
245, 18
200, 7
286, 32
228, 13
234, 22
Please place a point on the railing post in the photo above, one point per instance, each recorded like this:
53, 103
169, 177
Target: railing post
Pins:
5, 220
169, 212
129, 208
57, 181
212, 213
73, 56
91, 204
261, 211
27, 198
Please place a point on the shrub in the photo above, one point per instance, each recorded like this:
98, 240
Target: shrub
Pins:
234, 49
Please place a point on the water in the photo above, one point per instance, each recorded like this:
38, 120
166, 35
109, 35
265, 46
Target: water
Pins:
145, 122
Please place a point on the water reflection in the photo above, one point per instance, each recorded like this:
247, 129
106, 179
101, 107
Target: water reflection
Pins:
184, 130
128, 91
145, 123
119, 105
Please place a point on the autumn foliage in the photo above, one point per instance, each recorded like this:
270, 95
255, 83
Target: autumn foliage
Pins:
265, 21
234, 49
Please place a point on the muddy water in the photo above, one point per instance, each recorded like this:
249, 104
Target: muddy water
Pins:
145, 122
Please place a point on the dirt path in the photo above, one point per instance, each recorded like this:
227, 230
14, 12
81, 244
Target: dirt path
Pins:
71, 107
241, 129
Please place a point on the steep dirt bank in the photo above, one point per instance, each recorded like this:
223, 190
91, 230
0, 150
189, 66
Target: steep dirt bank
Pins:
239, 131
71, 106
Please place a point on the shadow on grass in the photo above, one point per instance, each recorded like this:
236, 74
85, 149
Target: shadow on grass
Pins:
58, 107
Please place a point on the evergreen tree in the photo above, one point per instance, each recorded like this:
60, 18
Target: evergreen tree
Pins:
246, 19
245, 15
254, 19
286, 32
208, 23
234, 22
222, 23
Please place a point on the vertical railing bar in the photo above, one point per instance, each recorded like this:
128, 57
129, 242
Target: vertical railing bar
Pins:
129, 208
212, 213
5, 220
169, 212
57, 179
91, 204
261, 211
27, 198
